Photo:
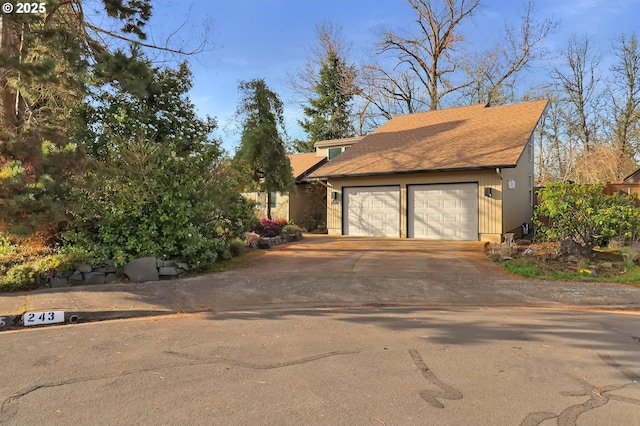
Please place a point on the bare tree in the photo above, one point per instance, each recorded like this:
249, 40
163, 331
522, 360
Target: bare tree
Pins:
492, 74
329, 39
430, 64
624, 97
577, 79
430, 55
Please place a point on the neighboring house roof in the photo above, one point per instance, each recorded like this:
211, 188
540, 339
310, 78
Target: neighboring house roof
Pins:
303, 164
633, 177
464, 138
337, 142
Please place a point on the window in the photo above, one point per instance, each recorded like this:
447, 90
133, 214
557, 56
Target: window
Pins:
274, 199
334, 152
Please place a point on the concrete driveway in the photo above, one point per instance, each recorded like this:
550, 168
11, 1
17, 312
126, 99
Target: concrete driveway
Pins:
324, 255
322, 271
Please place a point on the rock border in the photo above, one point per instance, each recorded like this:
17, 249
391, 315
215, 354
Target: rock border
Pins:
142, 269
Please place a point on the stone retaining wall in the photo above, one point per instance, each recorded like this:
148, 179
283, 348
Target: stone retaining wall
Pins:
138, 270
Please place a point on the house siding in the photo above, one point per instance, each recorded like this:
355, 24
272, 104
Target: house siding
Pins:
280, 211
518, 206
489, 209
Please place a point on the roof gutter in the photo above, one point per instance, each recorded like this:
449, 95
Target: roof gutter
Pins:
497, 168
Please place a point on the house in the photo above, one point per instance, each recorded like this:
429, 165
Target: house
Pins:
296, 206
630, 185
332, 148
462, 173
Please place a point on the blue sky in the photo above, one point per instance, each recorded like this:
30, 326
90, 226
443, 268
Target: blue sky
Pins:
268, 38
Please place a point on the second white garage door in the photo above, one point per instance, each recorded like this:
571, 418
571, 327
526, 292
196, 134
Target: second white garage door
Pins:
372, 211
447, 212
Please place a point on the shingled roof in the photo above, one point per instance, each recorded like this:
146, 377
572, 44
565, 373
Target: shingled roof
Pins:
464, 138
303, 164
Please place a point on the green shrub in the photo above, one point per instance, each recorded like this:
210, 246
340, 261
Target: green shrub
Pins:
585, 214
156, 208
19, 277
236, 246
292, 229
23, 275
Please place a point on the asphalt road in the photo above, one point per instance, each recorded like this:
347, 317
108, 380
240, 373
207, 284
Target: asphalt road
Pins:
409, 366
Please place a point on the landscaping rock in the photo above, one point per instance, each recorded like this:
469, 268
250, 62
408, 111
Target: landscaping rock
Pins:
94, 277
182, 266
606, 265
75, 279
143, 269
168, 271
264, 243
571, 258
105, 269
42, 281
83, 267
159, 263
110, 278
169, 263
57, 282
576, 249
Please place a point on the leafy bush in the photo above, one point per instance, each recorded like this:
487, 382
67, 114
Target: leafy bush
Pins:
292, 229
23, 273
280, 221
236, 246
157, 183
268, 228
584, 214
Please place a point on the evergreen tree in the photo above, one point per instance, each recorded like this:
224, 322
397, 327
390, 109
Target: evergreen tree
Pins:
152, 187
47, 63
329, 114
262, 147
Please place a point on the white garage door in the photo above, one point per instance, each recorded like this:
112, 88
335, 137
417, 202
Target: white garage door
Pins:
443, 212
372, 211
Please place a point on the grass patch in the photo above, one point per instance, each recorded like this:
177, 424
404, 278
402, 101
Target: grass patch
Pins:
561, 276
631, 276
522, 266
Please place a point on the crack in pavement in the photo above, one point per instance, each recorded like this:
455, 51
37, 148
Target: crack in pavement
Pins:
598, 396
447, 392
9, 407
256, 366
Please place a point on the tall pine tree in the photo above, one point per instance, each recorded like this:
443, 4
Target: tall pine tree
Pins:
47, 63
262, 147
329, 114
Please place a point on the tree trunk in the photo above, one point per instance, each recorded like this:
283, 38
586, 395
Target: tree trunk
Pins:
7, 99
269, 205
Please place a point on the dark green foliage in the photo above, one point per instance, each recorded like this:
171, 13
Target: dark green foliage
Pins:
585, 214
133, 13
155, 185
262, 148
48, 63
236, 246
329, 114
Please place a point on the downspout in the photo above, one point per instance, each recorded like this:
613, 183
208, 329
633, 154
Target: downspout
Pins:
502, 230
